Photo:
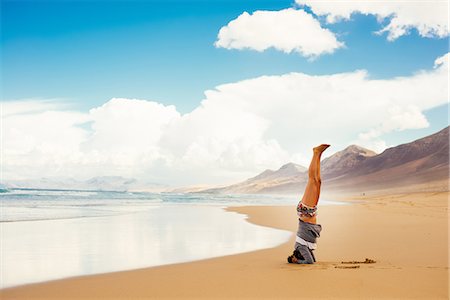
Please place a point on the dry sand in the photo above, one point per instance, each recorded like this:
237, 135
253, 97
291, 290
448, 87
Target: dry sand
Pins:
406, 234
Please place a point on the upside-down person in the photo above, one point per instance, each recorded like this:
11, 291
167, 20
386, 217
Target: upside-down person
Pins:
308, 229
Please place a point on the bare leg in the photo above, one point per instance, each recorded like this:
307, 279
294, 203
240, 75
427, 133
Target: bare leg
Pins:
312, 190
310, 198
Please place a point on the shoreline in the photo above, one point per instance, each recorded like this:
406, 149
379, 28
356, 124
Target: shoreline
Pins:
54, 249
385, 228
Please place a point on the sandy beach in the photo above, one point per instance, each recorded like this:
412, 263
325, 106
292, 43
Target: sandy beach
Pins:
406, 234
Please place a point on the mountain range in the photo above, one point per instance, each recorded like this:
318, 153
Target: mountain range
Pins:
100, 183
420, 165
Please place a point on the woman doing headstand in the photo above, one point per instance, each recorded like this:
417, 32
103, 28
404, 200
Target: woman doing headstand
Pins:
308, 229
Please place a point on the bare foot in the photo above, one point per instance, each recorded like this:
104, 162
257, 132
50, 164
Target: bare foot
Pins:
321, 148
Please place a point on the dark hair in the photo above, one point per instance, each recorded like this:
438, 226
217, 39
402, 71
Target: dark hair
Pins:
297, 255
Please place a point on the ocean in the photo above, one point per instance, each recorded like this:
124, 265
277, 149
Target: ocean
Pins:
31, 204
54, 234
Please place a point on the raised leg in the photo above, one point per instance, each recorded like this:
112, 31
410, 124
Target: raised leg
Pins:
312, 190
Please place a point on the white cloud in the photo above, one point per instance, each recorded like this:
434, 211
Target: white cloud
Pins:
429, 18
37, 134
399, 119
137, 124
238, 130
26, 106
287, 30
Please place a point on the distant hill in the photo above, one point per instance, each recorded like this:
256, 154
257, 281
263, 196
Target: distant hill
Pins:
101, 183
287, 176
345, 161
420, 165
423, 164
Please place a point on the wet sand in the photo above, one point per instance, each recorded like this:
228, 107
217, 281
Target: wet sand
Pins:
406, 234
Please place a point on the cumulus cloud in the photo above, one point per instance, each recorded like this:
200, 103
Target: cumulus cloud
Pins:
39, 137
239, 129
399, 119
137, 124
429, 18
287, 30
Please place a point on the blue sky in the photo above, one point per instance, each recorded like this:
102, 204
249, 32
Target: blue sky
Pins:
86, 52
90, 51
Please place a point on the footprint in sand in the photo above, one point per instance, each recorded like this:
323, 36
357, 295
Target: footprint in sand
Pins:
347, 267
367, 261
354, 264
